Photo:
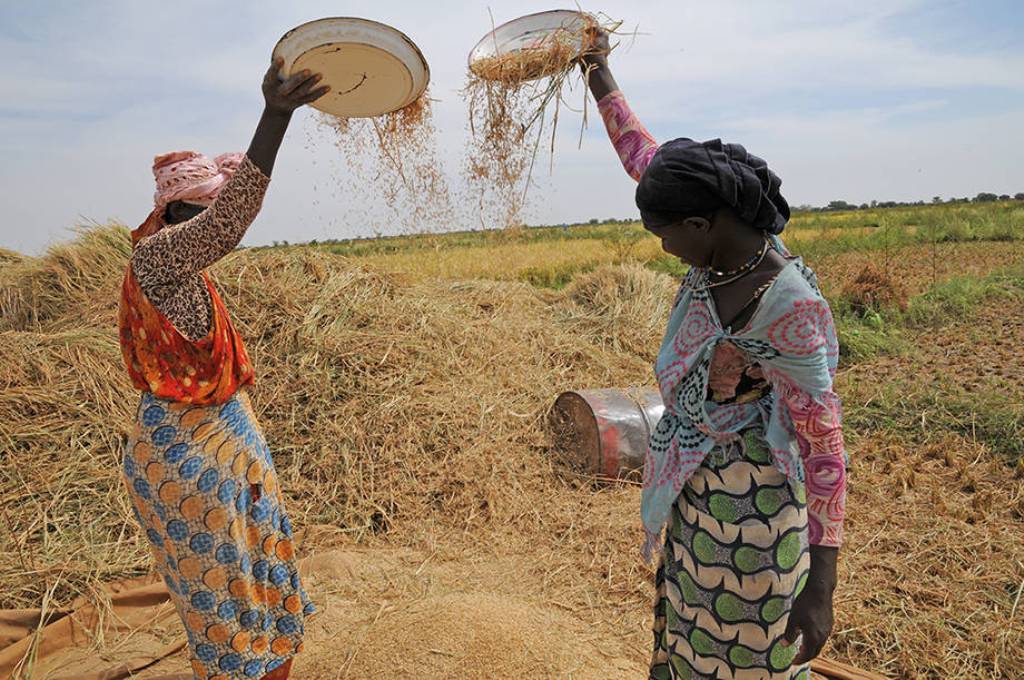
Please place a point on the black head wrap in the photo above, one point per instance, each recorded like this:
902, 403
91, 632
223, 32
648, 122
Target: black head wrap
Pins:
693, 178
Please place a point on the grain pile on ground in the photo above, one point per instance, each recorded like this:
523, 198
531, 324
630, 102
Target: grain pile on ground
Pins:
875, 289
480, 636
402, 612
410, 415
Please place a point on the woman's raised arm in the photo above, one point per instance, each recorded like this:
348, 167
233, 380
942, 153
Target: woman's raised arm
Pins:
633, 143
182, 250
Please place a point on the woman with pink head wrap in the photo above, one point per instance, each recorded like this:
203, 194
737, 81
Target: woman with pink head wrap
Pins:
198, 470
192, 177
186, 183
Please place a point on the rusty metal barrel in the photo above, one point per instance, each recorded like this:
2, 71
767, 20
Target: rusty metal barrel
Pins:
605, 431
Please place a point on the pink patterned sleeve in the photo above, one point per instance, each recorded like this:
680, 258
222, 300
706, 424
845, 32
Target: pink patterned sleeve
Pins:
631, 140
817, 422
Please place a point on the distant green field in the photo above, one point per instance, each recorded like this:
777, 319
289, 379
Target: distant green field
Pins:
551, 256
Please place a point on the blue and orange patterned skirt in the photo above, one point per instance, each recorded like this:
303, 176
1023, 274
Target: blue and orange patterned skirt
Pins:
204, 490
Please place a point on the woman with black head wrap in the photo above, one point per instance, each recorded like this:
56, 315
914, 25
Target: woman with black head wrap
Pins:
745, 476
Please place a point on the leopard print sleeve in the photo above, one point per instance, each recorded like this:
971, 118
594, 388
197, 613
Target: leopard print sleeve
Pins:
176, 253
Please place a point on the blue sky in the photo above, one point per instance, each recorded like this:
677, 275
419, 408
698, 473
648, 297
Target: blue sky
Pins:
864, 100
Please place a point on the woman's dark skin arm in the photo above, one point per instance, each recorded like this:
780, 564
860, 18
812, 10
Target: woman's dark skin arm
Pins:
208, 234
281, 99
594, 64
812, 612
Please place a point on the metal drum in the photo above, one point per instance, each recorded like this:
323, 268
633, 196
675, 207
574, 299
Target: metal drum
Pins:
605, 432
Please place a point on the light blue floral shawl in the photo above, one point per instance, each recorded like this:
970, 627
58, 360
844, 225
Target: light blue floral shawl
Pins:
791, 336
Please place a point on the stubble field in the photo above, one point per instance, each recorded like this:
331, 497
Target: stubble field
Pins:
404, 386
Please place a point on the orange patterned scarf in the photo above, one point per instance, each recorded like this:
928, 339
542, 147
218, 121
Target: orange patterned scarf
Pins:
163, 361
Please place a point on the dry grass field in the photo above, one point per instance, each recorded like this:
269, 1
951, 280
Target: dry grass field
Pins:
404, 386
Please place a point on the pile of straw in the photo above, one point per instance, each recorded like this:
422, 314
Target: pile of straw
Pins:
556, 56
384, 403
875, 289
411, 414
622, 307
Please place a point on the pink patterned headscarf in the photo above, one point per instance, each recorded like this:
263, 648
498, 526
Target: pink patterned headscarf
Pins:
186, 176
192, 177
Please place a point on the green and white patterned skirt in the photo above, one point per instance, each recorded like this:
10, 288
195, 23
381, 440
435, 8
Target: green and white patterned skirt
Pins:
735, 558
